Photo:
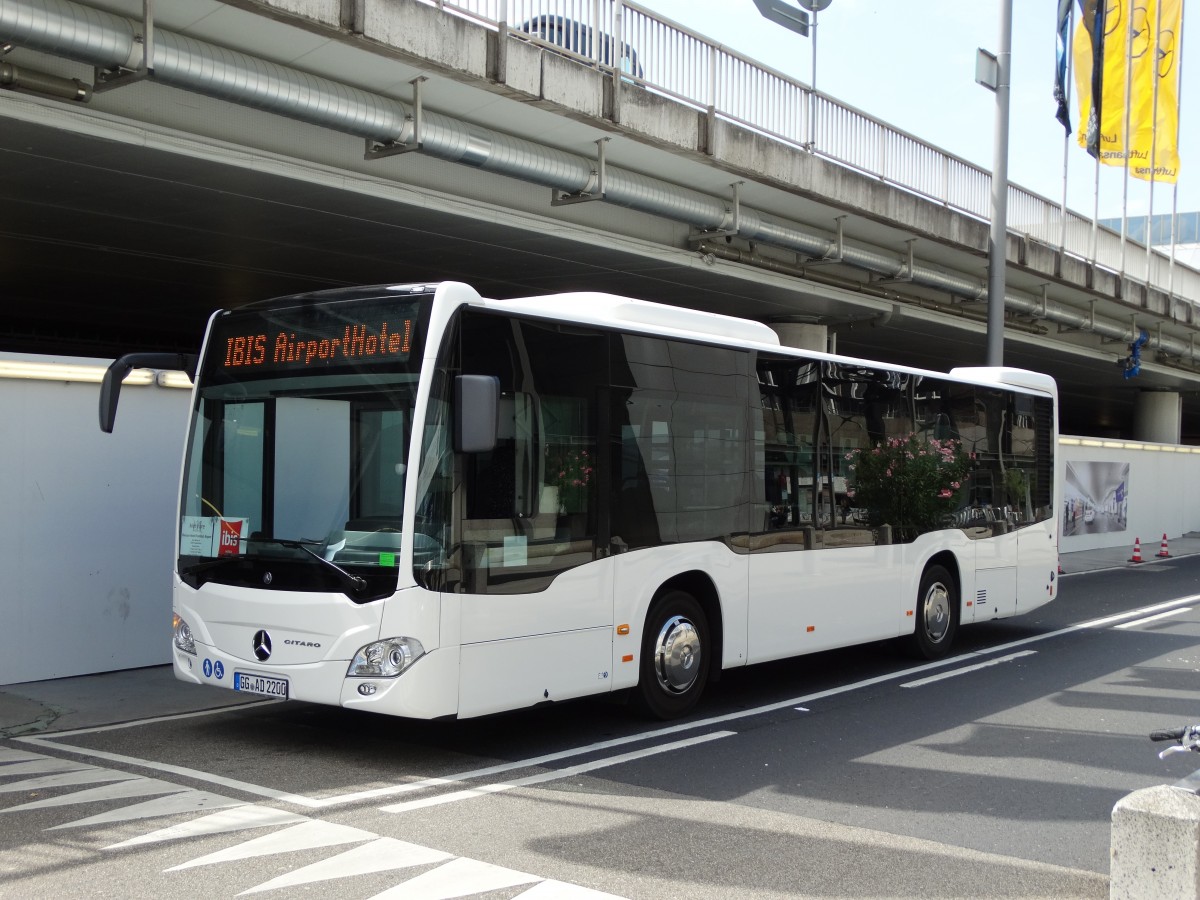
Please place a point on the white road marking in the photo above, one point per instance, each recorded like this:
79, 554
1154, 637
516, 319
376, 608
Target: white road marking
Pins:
458, 878
553, 775
183, 771
381, 855
43, 765
51, 742
12, 755
311, 835
956, 672
121, 790
1162, 615
171, 805
238, 819
90, 775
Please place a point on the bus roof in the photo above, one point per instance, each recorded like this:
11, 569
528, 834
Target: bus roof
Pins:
609, 309
594, 308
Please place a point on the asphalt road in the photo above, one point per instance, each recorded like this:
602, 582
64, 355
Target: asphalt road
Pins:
846, 774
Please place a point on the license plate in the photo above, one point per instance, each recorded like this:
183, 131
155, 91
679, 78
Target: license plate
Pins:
260, 684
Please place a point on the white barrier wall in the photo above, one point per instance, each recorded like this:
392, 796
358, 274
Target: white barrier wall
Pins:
1159, 492
87, 524
87, 528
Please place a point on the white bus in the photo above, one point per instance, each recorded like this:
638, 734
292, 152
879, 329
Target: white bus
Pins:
413, 500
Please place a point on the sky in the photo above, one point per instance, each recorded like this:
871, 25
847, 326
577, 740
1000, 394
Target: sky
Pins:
912, 65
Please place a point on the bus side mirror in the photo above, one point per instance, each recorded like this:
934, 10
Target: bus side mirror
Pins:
476, 413
110, 387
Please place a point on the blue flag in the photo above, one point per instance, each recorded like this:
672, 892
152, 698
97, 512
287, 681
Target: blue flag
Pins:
1062, 92
1094, 20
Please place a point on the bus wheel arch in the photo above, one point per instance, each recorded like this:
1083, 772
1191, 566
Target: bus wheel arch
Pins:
681, 646
937, 608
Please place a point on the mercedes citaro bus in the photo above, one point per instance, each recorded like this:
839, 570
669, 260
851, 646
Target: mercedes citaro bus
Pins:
413, 500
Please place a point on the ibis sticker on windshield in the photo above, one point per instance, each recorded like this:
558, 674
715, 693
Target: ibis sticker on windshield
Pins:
212, 536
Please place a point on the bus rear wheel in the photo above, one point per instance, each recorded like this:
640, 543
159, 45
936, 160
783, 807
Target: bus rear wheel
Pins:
673, 669
936, 614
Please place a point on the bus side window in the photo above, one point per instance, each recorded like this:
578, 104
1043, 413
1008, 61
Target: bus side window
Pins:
528, 509
789, 391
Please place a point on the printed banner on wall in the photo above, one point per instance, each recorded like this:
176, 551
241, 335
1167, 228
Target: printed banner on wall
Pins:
1095, 498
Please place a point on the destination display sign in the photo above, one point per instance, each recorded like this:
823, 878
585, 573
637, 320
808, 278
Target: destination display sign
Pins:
348, 334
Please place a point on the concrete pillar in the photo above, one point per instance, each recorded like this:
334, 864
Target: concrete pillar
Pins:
802, 336
1157, 417
1155, 849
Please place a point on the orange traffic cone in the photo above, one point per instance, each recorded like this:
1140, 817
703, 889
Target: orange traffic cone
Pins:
1163, 554
1137, 550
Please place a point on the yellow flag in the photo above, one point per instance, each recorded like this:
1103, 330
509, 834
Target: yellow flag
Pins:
1139, 52
1096, 82
1154, 106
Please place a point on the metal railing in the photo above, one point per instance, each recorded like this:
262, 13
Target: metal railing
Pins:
668, 58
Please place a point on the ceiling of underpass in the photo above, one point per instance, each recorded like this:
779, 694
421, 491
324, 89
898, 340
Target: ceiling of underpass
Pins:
109, 245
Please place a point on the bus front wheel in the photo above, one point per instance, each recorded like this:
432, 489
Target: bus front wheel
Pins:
936, 614
675, 656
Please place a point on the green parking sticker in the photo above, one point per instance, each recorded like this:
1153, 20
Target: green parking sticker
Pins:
387, 560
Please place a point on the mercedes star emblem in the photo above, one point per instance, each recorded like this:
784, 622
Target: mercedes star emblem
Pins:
262, 646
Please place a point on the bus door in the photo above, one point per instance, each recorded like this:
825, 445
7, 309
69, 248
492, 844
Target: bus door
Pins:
535, 589
820, 575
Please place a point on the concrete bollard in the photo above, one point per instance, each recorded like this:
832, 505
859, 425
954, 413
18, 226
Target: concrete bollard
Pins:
1155, 845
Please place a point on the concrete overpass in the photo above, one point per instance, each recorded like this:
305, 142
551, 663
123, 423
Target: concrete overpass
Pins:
260, 152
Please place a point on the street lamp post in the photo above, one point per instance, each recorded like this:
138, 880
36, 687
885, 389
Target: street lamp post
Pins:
814, 7
995, 73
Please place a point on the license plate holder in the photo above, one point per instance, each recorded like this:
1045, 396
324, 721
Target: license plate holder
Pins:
264, 685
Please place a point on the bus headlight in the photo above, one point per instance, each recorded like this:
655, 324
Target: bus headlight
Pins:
386, 658
183, 636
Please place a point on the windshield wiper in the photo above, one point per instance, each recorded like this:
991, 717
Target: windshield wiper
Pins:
354, 582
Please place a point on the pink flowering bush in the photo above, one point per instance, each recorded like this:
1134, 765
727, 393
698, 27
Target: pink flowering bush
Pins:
570, 470
910, 483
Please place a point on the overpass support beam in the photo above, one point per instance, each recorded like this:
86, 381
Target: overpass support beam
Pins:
1157, 417
1155, 845
802, 336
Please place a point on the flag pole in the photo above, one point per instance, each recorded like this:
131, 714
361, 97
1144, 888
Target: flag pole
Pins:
1125, 189
1153, 140
1062, 234
1175, 192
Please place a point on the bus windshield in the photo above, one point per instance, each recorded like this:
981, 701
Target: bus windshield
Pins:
299, 447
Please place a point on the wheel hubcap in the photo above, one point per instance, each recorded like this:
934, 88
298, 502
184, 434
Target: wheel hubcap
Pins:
677, 655
937, 613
